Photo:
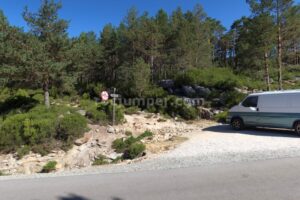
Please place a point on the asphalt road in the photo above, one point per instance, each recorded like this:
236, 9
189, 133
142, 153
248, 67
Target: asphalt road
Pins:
272, 179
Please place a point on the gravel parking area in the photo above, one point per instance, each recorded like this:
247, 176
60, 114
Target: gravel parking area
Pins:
216, 144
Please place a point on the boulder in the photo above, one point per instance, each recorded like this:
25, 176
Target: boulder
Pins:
87, 136
188, 91
205, 113
166, 84
202, 92
82, 112
114, 155
110, 129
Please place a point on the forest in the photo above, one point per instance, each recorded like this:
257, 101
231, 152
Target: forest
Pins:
47, 66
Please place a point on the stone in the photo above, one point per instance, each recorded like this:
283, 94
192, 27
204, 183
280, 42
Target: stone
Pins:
205, 113
166, 84
110, 129
188, 91
202, 92
82, 112
114, 155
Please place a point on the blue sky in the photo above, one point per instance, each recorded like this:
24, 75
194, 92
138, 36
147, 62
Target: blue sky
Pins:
92, 15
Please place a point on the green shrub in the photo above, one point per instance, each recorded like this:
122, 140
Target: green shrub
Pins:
22, 93
131, 147
107, 107
132, 110
135, 150
42, 129
221, 117
22, 151
146, 134
85, 96
13, 103
100, 160
97, 116
49, 167
214, 77
128, 133
177, 107
39, 98
5, 93
2, 173
232, 98
43, 149
119, 145
70, 127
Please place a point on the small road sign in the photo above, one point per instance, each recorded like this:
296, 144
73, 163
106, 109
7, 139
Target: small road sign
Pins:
104, 96
114, 95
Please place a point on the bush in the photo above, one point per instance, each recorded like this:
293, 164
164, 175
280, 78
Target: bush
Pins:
221, 117
214, 77
39, 98
131, 147
146, 134
107, 107
70, 127
121, 144
22, 103
132, 110
232, 98
177, 107
102, 112
135, 150
100, 160
49, 167
42, 129
97, 116
2, 173
22, 151
128, 133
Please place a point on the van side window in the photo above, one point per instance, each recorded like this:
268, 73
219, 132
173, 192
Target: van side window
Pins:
250, 102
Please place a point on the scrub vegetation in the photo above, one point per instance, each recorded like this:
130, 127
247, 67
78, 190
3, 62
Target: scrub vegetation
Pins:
48, 79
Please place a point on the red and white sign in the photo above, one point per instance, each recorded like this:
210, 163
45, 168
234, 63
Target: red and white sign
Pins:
104, 96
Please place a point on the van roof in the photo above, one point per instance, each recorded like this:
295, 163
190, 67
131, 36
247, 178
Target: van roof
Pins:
276, 92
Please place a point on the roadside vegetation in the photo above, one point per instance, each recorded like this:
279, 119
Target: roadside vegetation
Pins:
49, 167
50, 82
131, 147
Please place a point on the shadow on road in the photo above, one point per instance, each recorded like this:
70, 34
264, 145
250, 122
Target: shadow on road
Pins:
253, 131
77, 197
73, 197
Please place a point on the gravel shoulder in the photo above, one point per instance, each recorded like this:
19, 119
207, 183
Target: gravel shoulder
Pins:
213, 145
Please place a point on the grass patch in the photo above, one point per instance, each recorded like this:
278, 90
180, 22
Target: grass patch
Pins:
131, 147
49, 167
100, 160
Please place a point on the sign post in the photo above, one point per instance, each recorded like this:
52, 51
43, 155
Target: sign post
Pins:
114, 108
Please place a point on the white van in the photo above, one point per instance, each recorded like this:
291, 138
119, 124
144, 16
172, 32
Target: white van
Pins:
280, 109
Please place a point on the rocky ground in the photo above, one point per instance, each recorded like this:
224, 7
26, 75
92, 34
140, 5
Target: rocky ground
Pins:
168, 133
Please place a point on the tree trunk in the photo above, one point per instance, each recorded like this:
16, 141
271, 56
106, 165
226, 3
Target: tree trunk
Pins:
279, 48
152, 68
267, 73
46, 93
279, 59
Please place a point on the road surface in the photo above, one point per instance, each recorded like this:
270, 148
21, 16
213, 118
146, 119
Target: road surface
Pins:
271, 179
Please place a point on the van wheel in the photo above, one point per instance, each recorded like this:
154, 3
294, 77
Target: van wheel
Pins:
297, 128
238, 124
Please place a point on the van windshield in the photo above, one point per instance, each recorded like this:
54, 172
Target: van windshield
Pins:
250, 102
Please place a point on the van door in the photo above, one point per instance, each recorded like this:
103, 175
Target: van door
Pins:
250, 111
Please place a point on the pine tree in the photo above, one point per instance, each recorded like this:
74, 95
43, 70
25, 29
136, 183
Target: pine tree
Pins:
46, 25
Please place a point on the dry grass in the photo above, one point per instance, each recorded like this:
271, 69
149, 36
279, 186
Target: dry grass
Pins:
167, 145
